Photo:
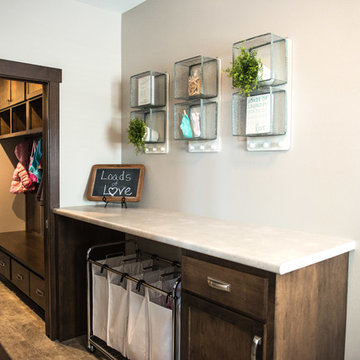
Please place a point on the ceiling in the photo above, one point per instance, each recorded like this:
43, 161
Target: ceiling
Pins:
120, 6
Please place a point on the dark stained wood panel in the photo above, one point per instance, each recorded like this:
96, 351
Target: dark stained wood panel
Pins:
213, 332
74, 238
310, 311
248, 293
27, 248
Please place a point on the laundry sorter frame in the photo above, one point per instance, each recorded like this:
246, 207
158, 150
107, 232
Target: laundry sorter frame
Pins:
94, 342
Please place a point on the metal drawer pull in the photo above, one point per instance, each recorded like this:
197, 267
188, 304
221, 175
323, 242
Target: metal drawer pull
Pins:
218, 285
39, 292
255, 343
20, 277
2, 264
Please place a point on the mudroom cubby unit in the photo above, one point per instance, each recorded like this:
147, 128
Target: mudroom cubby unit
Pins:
22, 239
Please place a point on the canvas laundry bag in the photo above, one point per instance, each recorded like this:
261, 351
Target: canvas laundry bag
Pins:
160, 321
100, 295
118, 304
138, 326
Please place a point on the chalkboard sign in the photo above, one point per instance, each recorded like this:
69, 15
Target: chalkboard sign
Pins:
113, 182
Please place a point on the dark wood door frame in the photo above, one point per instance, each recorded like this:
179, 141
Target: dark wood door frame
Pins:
51, 79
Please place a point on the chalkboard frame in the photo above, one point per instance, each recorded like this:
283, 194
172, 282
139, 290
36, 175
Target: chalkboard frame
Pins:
94, 169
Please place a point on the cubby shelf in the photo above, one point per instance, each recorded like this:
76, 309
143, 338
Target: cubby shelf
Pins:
22, 119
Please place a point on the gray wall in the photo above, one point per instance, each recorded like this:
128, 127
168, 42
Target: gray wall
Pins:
314, 187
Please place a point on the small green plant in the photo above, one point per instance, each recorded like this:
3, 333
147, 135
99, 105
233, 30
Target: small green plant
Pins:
136, 134
246, 71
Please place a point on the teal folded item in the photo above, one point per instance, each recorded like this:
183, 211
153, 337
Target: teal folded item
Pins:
185, 126
34, 167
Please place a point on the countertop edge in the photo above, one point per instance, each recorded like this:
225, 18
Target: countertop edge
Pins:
281, 269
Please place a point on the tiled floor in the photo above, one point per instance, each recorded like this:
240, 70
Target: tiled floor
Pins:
22, 334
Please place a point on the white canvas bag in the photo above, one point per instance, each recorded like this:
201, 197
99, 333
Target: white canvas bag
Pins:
160, 320
118, 305
138, 328
100, 295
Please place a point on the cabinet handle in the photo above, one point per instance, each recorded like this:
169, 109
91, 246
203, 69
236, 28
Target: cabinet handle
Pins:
218, 285
2, 263
255, 343
39, 292
20, 277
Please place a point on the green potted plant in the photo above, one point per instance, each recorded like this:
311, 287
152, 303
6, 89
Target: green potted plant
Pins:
136, 134
246, 71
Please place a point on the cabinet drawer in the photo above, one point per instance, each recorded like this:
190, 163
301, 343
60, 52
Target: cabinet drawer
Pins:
37, 290
241, 291
20, 276
5, 265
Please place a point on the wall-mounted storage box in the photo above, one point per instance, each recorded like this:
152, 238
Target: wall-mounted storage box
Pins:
272, 50
155, 120
148, 89
262, 113
195, 120
196, 78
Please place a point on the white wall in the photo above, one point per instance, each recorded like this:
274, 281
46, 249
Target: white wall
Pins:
84, 42
315, 186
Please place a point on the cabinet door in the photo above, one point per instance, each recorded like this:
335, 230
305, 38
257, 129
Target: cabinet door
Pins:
17, 91
4, 93
33, 89
211, 332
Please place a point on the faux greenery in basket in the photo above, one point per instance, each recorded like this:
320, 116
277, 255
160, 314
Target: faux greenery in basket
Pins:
136, 134
246, 71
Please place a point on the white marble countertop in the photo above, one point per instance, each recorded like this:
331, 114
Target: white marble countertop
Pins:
272, 249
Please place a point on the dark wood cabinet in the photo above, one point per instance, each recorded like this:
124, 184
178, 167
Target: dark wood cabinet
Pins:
17, 91
33, 89
233, 311
22, 262
5, 98
214, 332
37, 289
5, 265
20, 276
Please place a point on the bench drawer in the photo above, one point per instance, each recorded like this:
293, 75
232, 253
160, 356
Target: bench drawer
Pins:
5, 265
37, 289
239, 290
20, 276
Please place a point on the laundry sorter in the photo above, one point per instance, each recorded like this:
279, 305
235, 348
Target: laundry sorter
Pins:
133, 303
